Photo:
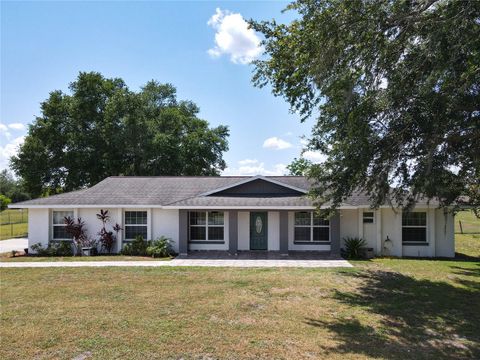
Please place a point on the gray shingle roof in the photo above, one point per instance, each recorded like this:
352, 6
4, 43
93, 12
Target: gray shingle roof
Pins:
179, 191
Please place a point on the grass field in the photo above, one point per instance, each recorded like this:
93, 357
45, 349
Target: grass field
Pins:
19, 227
385, 308
470, 223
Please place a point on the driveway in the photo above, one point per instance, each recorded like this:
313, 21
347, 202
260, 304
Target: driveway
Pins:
13, 244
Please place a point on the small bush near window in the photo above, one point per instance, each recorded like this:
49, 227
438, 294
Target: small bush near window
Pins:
353, 246
61, 248
138, 247
160, 247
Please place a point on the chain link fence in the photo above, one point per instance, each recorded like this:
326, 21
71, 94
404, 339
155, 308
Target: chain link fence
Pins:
13, 223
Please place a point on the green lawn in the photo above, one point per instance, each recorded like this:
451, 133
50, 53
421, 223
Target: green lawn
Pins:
470, 223
385, 308
19, 227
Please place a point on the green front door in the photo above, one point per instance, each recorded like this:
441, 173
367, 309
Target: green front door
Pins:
258, 231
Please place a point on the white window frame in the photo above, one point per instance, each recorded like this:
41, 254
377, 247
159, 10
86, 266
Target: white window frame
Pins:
311, 226
52, 225
125, 225
206, 226
372, 217
426, 242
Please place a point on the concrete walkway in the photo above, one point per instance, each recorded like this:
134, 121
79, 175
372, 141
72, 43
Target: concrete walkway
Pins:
186, 262
13, 244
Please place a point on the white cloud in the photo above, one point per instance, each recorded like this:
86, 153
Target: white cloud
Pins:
248, 161
10, 149
276, 143
4, 131
255, 167
234, 37
314, 156
16, 126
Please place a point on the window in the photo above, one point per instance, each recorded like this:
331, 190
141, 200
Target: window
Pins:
414, 227
58, 225
309, 227
135, 224
368, 217
206, 226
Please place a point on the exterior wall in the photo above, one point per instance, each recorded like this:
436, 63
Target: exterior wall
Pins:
273, 231
388, 223
93, 225
348, 225
297, 247
38, 227
392, 228
223, 246
243, 230
165, 223
445, 234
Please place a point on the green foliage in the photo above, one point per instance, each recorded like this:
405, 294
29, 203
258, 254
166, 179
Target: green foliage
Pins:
12, 188
60, 248
299, 167
396, 88
4, 201
137, 247
353, 246
102, 128
160, 247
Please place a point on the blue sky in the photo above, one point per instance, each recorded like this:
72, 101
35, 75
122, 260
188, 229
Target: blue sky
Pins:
203, 51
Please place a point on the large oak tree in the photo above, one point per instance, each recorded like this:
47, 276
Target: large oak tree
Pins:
101, 128
394, 87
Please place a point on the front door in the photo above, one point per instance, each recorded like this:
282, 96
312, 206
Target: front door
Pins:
258, 231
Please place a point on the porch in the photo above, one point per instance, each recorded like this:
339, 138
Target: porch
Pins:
257, 234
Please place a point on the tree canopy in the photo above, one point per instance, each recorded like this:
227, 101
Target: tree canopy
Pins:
101, 128
299, 167
394, 87
12, 188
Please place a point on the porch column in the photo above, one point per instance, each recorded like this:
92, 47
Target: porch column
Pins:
233, 232
284, 232
335, 233
183, 232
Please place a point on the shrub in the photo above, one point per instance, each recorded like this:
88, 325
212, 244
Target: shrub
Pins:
61, 248
160, 247
107, 238
4, 201
78, 232
138, 247
353, 246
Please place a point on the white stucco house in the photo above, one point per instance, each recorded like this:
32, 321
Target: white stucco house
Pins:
235, 213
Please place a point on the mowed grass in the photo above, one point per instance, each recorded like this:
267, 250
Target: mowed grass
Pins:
385, 308
470, 223
19, 227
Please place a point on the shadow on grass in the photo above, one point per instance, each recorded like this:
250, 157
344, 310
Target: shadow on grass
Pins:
418, 318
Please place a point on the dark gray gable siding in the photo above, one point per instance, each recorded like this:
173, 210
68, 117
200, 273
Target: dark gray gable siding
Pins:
258, 188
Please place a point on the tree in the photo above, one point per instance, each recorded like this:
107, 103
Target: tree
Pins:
4, 201
396, 87
102, 129
11, 187
299, 167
